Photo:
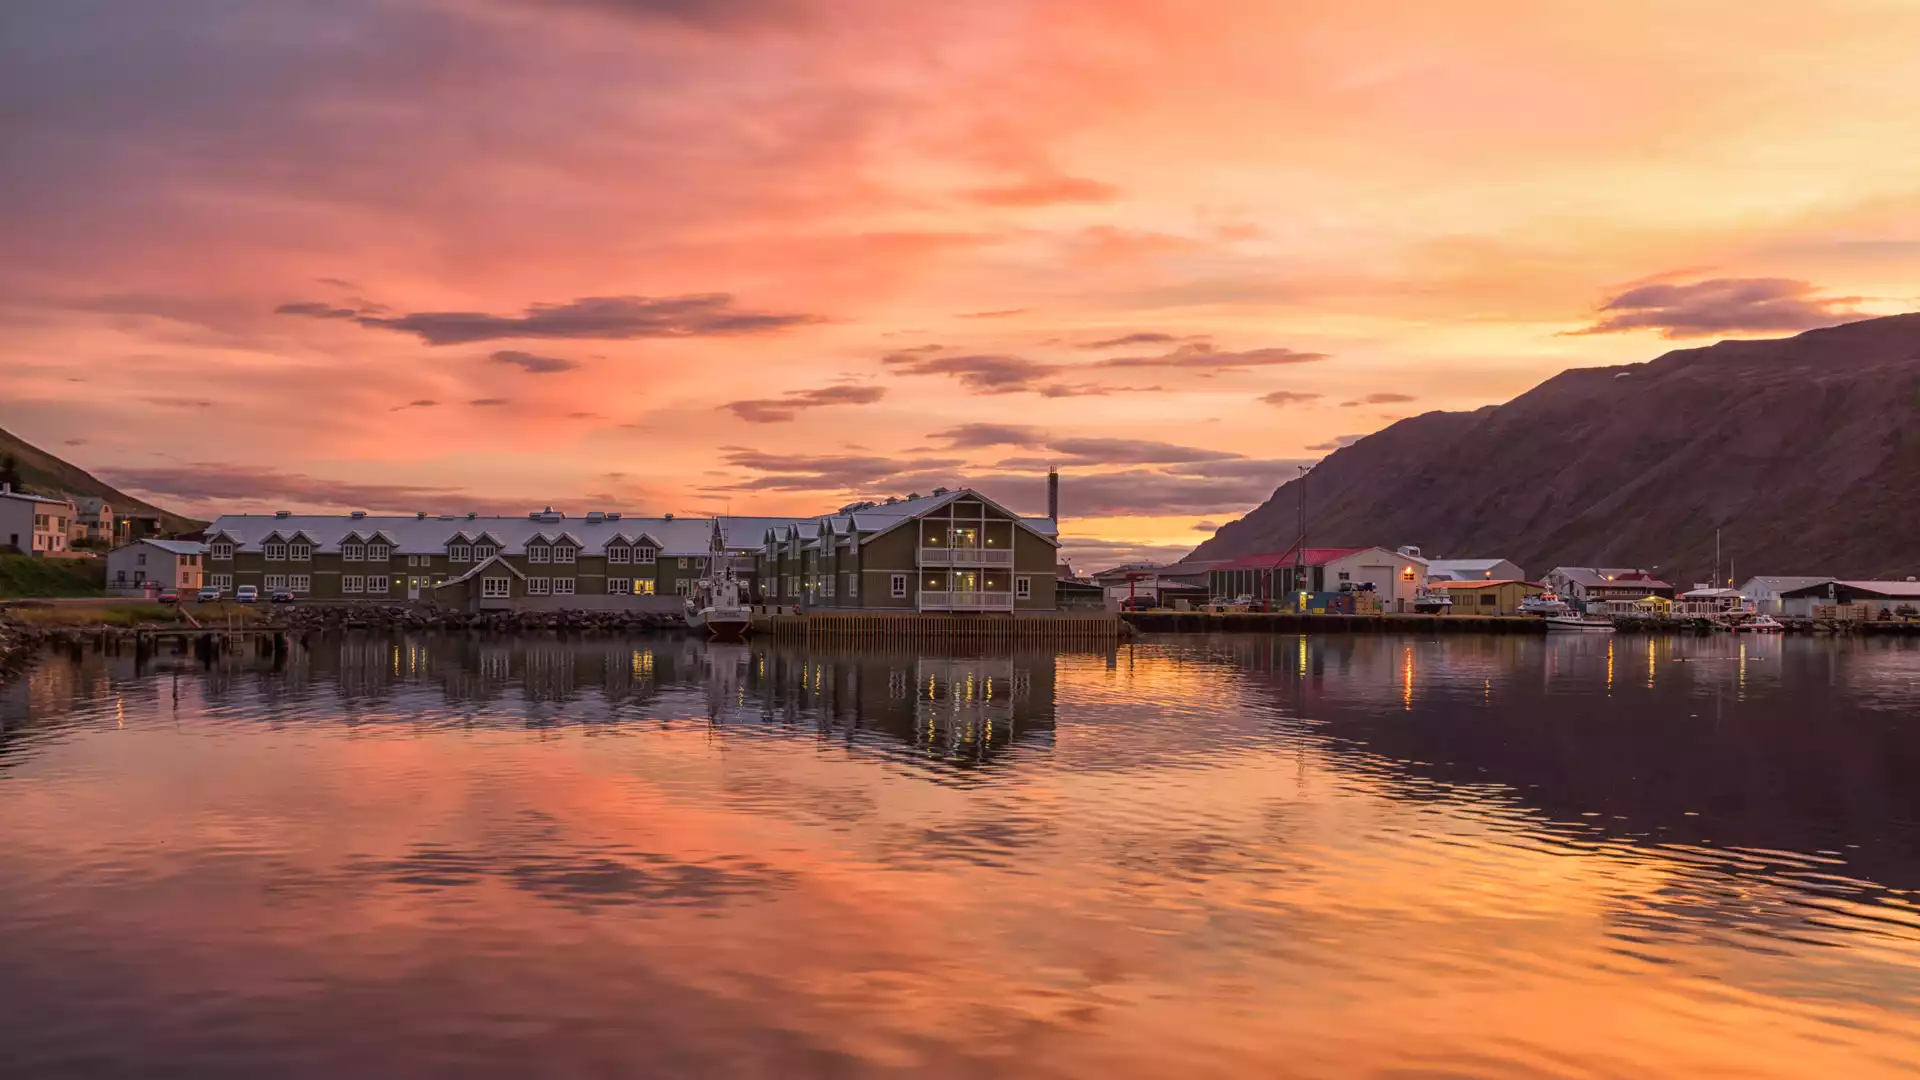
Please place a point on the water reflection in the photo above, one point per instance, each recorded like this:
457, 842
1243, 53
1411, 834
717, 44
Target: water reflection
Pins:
1349, 856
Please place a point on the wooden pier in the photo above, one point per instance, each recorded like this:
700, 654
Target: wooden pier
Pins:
1092, 629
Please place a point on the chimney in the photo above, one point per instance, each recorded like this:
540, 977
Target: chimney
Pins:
1053, 493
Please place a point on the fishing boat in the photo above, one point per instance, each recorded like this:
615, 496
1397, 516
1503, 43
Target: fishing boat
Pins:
1585, 624
1759, 624
720, 605
1544, 604
1432, 602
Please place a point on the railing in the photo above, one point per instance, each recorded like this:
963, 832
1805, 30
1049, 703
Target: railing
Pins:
965, 556
966, 601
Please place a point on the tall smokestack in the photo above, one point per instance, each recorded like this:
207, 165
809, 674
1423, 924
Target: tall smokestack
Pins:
1053, 493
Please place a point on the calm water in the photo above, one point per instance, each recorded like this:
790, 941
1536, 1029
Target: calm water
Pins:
1275, 857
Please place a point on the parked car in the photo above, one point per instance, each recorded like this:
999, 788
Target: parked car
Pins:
207, 595
282, 596
168, 596
246, 594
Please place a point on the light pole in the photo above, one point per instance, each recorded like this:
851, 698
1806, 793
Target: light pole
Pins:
1300, 546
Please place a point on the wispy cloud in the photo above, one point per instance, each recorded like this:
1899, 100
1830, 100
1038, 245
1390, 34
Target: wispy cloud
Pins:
1337, 442
532, 364
490, 401
1284, 398
208, 482
1201, 356
417, 403
1044, 191
1722, 306
588, 318
789, 405
1004, 313
1384, 398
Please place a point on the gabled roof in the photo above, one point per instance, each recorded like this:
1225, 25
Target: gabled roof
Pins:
1609, 577
474, 571
24, 497
879, 520
176, 547
412, 534
1476, 583
1783, 583
1892, 590
1282, 559
743, 533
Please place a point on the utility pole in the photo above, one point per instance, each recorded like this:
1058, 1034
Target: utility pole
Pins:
1300, 546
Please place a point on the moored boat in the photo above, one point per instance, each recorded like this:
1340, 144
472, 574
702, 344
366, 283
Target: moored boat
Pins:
1586, 624
719, 605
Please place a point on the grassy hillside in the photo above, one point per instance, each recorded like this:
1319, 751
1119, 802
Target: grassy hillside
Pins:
24, 575
43, 474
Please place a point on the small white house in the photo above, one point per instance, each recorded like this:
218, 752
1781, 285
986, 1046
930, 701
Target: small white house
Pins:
146, 566
34, 524
1395, 575
1474, 570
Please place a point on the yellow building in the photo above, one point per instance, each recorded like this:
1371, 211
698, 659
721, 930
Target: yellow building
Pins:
1486, 597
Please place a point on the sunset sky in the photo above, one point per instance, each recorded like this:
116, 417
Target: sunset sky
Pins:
772, 255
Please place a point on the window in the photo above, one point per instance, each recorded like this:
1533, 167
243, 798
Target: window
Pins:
379, 552
353, 583
619, 556
619, 586
853, 586
645, 555
1344, 576
539, 553
683, 586
276, 581
139, 576
460, 553
301, 583
643, 586
563, 586
494, 587
539, 586
353, 552
826, 587
565, 553
140, 558
1486, 600
120, 576
482, 552
275, 552
220, 581
377, 583
300, 552
222, 552
1023, 588
899, 586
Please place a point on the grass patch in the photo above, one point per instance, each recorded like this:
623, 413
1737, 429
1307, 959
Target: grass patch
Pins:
26, 576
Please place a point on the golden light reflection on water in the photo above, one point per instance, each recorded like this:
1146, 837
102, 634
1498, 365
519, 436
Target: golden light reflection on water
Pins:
1244, 858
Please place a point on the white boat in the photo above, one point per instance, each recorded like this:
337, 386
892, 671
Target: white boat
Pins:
1585, 624
1759, 624
1545, 604
720, 606
1432, 602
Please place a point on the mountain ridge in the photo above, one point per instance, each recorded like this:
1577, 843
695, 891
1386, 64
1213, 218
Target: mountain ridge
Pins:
1804, 452
43, 473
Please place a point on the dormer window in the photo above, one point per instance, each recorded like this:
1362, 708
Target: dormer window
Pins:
565, 553
274, 551
485, 551
353, 552
460, 553
300, 552
221, 551
619, 555
646, 554
379, 552
539, 553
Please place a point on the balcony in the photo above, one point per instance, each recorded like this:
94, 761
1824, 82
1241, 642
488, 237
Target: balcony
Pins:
966, 601
966, 556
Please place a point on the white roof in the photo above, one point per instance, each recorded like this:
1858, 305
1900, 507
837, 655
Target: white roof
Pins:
179, 547
742, 533
1464, 567
1886, 588
24, 497
414, 535
1779, 583
871, 521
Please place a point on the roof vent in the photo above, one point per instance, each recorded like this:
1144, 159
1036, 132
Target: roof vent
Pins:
891, 499
357, 514
595, 516
471, 515
418, 515
913, 495
283, 513
613, 515
669, 517
940, 491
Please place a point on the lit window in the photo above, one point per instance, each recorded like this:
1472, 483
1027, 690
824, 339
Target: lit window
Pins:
643, 586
